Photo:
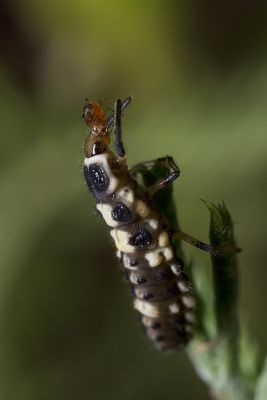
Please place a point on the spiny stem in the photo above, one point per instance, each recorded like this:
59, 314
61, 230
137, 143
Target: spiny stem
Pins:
220, 361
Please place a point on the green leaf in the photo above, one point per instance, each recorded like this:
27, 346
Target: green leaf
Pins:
225, 271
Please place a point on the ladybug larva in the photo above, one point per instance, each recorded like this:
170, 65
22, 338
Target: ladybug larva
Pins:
162, 292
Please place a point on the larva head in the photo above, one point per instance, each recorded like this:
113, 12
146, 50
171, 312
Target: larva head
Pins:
98, 138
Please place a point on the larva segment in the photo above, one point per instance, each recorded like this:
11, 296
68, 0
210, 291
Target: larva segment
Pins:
162, 291
166, 303
104, 174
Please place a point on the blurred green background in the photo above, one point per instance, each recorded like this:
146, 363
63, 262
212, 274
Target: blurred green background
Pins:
197, 70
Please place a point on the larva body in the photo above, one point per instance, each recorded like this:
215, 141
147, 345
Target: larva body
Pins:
162, 292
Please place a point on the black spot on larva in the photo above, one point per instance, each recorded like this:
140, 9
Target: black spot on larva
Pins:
163, 276
121, 213
125, 273
97, 211
132, 290
147, 296
141, 280
177, 321
142, 238
133, 263
179, 339
160, 338
96, 177
156, 325
172, 291
180, 262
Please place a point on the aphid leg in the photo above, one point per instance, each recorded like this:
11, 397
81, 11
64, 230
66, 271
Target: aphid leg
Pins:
218, 251
118, 142
167, 162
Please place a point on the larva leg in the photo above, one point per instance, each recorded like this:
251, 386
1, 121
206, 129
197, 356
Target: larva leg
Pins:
110, 121
167, 163
118, 141
218, 251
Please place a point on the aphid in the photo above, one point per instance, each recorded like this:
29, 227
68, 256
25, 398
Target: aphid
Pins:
162, 292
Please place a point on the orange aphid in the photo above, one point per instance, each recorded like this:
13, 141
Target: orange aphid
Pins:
94, 115
99, 137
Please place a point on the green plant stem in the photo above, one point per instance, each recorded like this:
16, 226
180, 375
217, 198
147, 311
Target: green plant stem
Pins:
228, 361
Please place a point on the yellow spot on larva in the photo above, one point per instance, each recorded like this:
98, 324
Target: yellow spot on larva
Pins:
127, 194
183, 286
142, 209
106, 211
163, 239
188, 301
154, 258
159, 256
121, 239
168, 253
174, 308
145, 308
189, 316
153, 223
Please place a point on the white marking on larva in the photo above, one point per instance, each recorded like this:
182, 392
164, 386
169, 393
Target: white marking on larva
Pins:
154, 258
141, 208
174, 308
106, 211
87, 161
189, 316
126, 263
127, 194
103, 159
118, 254
183, 286
153, 223
113, 184
145, 308
99, 158
188, 301
158, 256
132, 279
168, 253
121, 239
147, 321
164, 239
176, 269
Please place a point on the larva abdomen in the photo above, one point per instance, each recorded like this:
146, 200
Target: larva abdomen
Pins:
165, 301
